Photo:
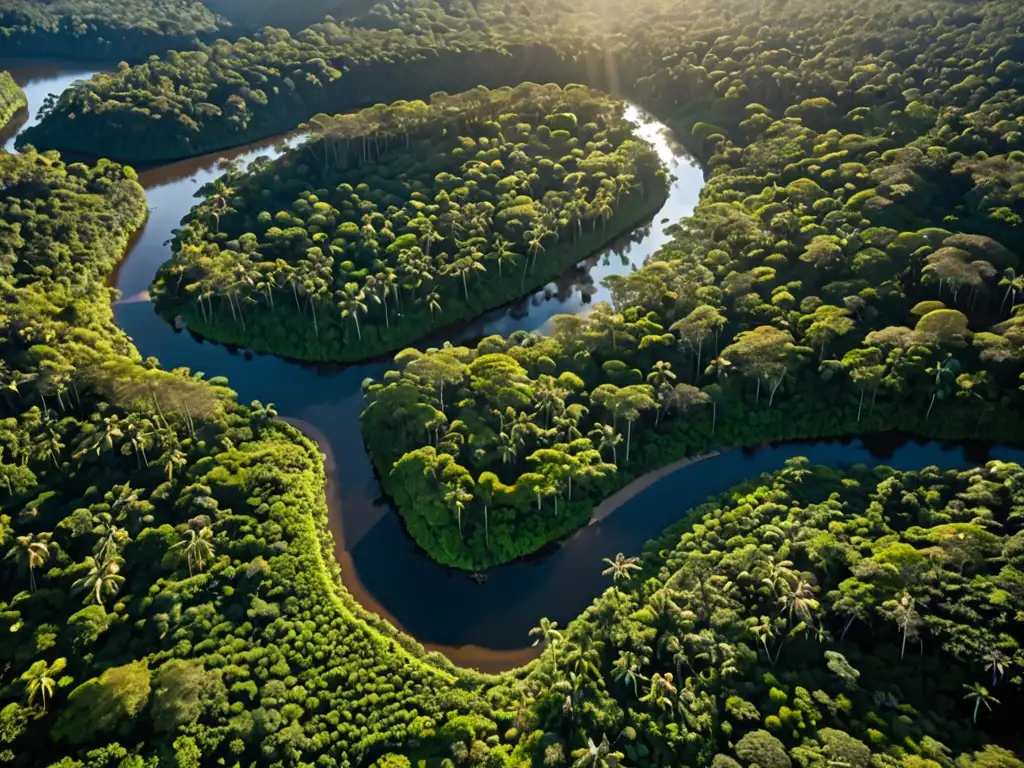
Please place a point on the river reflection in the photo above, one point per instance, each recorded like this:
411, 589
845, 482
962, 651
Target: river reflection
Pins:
38, 79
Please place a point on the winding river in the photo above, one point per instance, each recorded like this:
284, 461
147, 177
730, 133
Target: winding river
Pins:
483, 625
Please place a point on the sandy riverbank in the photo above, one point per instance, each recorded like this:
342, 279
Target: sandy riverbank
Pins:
474, 656
642, 483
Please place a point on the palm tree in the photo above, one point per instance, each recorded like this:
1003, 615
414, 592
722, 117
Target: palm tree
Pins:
503, 252
197, 547
137, 438
31, 552
456, 500
661, 691
780, 575
261, 416
173, 459
548, 397
596, 755
113, 538
626, 670
904, 613
464, 266
661, 374
547, 634
620, 568
103, 578
428, 234
508, 448
486, 485
48, 443
433, 301
41, 678
607, 437
979, 694
351, 301
996, 662
945, 370
799, 602
1014, 284
378, 286
630, 402
764, 632
536, 242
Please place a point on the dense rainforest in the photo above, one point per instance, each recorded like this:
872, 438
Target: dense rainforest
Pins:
294, 15
809, 618
134, 30
221, 95
400, 219
164, 546
851, 267
169, 594
12, 99
126, 30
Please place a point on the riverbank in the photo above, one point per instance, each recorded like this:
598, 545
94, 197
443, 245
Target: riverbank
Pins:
476, 657
642, 483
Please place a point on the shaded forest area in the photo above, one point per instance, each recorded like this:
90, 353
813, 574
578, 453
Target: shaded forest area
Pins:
12, 99
128, 30
134, 30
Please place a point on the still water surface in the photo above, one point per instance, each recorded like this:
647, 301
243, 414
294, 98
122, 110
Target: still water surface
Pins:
473, 623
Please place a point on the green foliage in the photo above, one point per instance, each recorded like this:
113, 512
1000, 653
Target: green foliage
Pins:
758, 631
169, 594
128, 30
182, 690
12, 98
119, 629
845, 271
401, 219
101, 705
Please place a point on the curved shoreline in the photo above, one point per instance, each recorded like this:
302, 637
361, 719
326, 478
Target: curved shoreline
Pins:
610, 505
473, 656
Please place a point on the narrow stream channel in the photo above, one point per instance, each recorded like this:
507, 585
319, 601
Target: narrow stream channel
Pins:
484, 625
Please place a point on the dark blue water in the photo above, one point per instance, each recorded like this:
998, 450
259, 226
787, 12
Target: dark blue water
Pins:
499, 614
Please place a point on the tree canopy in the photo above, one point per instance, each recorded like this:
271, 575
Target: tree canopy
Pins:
126, 30
397, 220
12, 98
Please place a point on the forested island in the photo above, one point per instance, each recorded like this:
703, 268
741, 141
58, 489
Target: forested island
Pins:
12, 99
169, 593
221, 95
401, 219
